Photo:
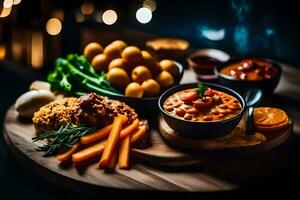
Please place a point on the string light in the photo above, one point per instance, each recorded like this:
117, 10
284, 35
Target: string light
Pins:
109, 17
87, 8
151, 4
144, 15
2, 52
79, 17
7, 3
37, 50
5, 12
53, 26
16, 2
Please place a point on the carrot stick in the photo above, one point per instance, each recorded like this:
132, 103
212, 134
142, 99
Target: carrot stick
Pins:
68, 154
89, 152
97, 135
112, 163
98, 148
138, 134
129, 129
100, 134
111, 142
124, 153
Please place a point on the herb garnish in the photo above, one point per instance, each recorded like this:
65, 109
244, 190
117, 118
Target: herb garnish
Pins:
62, 139
201, 90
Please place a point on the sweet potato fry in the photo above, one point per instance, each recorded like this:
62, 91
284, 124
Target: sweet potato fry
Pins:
112, 141
129, 129
97, 135
138, 134
89, 152
98, 148
68, 154
124, 153
113, 161
100, 134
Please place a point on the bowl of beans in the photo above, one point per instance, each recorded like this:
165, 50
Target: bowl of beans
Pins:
201, 110
244, 74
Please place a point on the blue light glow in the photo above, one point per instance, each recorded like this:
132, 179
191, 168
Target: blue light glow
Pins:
241, 34
269, 31
213, 34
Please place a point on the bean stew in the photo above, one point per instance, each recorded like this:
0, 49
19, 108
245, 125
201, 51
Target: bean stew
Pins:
202, 105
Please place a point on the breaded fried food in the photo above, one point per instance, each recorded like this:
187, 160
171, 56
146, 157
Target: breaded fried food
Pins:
55, 114
90, 109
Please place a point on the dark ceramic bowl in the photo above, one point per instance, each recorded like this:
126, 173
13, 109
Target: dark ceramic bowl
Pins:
192, 129
203, 62
241, 86
145, 106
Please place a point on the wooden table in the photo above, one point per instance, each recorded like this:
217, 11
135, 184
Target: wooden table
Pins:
218, 174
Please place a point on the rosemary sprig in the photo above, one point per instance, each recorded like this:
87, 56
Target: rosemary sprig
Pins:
62, 139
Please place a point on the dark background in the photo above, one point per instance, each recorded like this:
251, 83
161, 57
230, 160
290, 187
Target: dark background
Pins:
268, 28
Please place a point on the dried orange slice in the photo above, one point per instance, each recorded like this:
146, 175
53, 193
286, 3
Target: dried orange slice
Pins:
267, 116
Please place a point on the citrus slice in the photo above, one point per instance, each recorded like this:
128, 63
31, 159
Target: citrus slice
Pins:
267, 116
277, 127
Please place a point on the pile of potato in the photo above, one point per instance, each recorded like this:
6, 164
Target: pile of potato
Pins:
132, 70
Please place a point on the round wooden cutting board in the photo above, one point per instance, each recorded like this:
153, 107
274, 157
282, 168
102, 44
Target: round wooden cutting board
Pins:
18, 136
235, 142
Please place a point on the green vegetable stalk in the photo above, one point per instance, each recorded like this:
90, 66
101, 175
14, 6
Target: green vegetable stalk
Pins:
75, 75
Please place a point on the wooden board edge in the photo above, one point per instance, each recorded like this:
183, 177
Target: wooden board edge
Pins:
259, 148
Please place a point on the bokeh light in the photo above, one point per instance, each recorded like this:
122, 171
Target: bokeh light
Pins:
87, 8
79, 17
151, 4
2, 52
144, 15
98, 16
109, 17
7, 3
5, 12
37, 52
16, 2
53, 26
213, 34
59, 14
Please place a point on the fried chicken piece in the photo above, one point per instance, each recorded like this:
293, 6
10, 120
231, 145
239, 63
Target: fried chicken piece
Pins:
55, 114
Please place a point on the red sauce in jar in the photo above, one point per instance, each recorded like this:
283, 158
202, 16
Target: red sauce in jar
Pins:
205, 62
204, 66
